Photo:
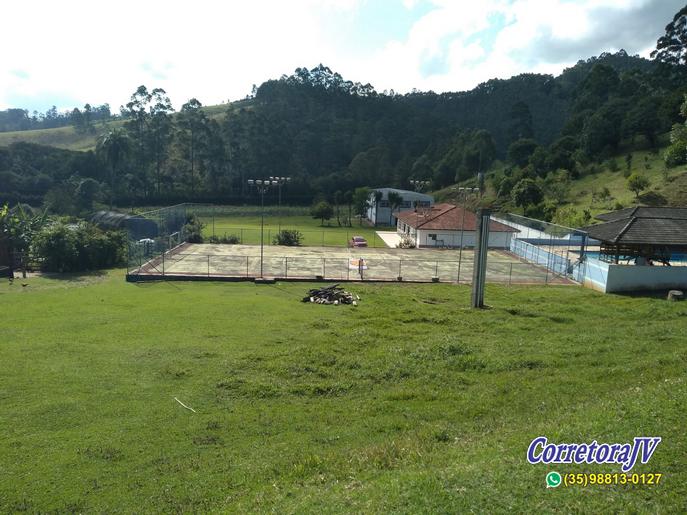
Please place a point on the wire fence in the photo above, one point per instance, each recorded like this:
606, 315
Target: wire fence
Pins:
182, 262
330, 237
541, 253
559, 249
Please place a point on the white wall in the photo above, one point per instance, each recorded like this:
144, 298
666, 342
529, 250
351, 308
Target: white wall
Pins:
452, 239
637, 278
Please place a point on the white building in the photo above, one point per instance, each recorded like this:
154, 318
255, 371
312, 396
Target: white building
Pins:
379, 213
446, 225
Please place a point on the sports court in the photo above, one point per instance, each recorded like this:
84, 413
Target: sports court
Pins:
227, 262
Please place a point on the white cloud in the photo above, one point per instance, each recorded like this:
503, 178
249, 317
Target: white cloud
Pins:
85, 51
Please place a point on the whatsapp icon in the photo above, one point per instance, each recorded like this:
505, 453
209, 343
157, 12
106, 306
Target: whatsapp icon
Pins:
553, 480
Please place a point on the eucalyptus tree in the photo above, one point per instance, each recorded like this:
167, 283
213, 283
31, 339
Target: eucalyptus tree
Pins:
192, 127
114, 146
139, 118
160, 130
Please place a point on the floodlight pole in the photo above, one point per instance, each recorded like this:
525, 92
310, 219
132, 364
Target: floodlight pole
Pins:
280, 182
262, 186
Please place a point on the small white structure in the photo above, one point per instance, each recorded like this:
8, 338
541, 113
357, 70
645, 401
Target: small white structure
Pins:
446, 225
379, 213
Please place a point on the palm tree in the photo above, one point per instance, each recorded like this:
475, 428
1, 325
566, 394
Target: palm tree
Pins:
395, 201
377, 199
114, 146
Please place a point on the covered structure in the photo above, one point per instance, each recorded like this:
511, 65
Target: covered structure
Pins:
446, 225
642, 235
137, 226
381, 212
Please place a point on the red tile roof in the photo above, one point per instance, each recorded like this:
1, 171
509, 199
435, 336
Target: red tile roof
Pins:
447, 217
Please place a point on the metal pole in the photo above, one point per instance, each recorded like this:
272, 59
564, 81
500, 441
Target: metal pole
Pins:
480, 261
279, 208
286, 267
262, 224
510, 274
208, 265
324, 268
247, 273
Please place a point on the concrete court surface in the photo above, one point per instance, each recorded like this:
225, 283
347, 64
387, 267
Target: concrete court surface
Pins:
341, 264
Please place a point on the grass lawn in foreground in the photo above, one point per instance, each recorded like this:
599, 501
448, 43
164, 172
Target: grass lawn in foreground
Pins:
411, 402
314, 234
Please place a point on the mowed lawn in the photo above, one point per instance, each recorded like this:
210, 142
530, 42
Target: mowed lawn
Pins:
410, 402
247, 229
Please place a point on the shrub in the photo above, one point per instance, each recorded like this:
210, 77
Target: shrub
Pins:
613, 165
78, 247
290, 238
193, 229
406, 242
231, 239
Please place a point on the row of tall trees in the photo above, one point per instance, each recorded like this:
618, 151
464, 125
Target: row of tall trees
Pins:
329, 134
15, 119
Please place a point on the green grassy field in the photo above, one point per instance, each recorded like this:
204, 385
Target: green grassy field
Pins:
69, 139
247, 228
60, 137
410, 402
661, 180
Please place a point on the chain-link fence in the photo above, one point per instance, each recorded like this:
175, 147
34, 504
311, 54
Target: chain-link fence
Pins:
559, 249
245, 262
541, 253
151, 235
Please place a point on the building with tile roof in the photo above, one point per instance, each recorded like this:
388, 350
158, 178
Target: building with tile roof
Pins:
447, 225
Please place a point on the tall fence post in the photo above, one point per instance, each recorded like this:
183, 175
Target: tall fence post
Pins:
247, 266
480, 262
510, 274
400, 261
322, 239
163, 264
286, 267
241, 236
324, 268
208, 265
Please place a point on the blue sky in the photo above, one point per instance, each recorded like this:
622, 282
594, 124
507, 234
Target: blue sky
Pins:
81, 51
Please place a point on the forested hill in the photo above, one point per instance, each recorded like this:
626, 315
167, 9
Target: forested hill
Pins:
333, 135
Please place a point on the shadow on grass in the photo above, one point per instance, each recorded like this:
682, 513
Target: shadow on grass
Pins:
655, 294
75, 277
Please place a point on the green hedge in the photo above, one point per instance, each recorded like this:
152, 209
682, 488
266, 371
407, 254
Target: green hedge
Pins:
62, 247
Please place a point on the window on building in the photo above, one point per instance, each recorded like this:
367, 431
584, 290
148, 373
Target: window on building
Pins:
433, 237
383, 203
